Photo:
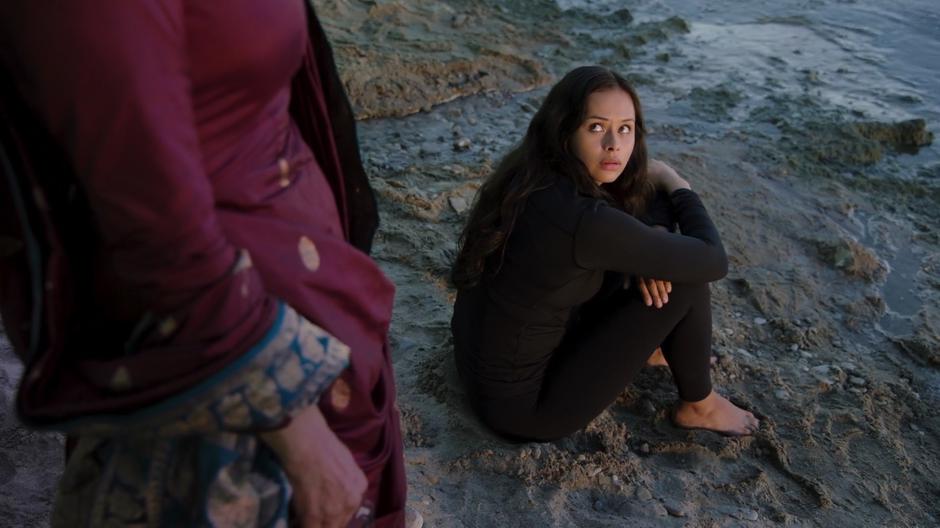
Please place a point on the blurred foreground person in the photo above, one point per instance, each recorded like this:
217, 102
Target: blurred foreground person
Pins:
184, 231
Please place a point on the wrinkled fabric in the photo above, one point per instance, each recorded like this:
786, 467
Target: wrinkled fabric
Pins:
213, 175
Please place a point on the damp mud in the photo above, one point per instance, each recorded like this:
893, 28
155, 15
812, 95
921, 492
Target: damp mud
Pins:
808, 130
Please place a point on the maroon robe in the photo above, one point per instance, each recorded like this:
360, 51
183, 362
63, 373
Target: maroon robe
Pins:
171, 138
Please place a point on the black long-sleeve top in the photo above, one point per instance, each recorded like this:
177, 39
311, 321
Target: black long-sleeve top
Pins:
555, 260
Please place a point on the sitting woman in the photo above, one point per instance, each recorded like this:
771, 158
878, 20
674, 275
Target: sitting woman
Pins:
546, 336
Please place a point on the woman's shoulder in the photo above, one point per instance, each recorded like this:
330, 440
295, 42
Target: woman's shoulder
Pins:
561, 203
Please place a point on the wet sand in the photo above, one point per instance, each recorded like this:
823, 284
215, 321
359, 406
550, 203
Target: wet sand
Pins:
827, 326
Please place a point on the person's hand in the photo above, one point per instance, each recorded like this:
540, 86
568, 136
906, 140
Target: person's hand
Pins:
655, 292
327, 483
664, 177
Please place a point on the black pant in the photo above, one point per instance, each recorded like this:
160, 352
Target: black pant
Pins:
601, 353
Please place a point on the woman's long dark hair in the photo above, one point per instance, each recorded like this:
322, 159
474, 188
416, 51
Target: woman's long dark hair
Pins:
543, 155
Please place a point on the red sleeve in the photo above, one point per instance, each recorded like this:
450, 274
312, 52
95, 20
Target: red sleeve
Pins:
110, 80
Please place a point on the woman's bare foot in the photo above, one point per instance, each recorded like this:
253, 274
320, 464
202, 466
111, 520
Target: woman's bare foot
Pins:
657, 359
715, 413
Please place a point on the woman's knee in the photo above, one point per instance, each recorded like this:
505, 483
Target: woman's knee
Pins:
691, 293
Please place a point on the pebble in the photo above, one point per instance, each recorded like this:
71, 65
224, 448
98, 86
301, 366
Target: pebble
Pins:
660, 510
745, 353
822, 370
806, 355
643, 493
458, 203
615, 479
855, 380
675, 509
746, 515
599, 505
794, 347
462, 144
459, 21
647, 407
645, 448
760, 321
857, 390
782, 394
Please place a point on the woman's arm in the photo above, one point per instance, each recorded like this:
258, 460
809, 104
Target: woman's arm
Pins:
110, 82
609, 239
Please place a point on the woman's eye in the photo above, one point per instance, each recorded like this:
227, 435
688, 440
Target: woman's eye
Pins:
626, 129
595, 127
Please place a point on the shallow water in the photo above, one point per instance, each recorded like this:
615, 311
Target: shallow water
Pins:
874, 61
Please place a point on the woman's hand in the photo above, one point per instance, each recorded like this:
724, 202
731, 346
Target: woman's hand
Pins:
655, 292
327, 483
664, 177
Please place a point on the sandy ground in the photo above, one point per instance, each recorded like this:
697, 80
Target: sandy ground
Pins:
827, 327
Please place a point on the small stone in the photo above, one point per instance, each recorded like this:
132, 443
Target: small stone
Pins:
599, 505
857, 381
458, 203
806, 355
794, 347
660, 510
759, 321
643, 493
647, 407
858, 390
746, 515
462, 144
459, 21
675, 509
645, 448
782, 394
821, 370
744, 353
615, 479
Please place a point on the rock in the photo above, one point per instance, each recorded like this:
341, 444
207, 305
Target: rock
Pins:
746, 515
744, 353
462, 144
459, 21
430, 148
676, 509
857, 381
645, 448
760, 321
647, 407
821, 370
459, 204
858, 390
643, 493
782, 394
600, 505
806, 355
660, 510
794, 347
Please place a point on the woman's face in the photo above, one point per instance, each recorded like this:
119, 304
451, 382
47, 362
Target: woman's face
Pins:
604, 140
